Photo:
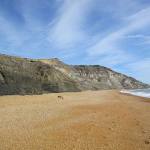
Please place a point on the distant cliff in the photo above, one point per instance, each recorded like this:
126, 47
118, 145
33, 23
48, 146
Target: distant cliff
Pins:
28, 76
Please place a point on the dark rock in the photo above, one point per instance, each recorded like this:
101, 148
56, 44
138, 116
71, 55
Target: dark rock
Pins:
147, 142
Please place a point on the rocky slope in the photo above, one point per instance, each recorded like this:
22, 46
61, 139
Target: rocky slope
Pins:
28, 76
24, 76
95, 77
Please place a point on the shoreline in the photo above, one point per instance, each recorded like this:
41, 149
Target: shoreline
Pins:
135, 92
137, 96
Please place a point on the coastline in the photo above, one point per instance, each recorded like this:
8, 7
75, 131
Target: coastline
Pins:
82, 120
137, 92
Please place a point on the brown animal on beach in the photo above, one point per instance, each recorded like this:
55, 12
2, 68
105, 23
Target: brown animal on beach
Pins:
60, 97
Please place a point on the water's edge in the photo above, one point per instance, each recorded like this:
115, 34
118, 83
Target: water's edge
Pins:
138, 92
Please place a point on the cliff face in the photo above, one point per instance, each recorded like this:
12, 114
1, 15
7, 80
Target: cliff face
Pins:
26, 76
95, 77
98, 77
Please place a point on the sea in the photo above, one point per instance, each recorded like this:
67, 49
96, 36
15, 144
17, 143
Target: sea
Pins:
138, 92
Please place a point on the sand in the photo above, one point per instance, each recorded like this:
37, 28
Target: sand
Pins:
101, 120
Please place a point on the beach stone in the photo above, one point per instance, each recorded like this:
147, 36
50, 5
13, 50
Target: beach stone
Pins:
147, 142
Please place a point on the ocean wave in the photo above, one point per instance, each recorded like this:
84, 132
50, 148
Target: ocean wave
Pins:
138, 92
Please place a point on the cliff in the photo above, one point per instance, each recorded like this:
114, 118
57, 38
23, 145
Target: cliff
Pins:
28, 76
25, 76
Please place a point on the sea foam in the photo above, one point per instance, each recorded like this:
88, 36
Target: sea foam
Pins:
138, 92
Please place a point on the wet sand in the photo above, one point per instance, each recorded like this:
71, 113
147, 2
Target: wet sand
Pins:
101, 120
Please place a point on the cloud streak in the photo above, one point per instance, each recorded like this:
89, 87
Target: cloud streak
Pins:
66, 30
111, 43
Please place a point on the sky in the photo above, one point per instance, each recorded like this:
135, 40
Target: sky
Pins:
111, 33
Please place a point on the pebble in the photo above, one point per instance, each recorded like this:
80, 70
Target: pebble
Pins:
147, 142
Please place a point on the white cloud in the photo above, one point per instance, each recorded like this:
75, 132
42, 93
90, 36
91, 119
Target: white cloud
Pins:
66, 29
111, 43
145, 39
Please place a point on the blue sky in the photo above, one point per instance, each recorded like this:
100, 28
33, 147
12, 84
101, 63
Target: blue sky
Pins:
113, 33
